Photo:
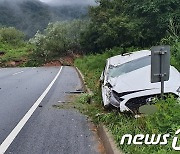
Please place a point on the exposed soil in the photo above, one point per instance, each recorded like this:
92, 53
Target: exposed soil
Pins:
53, 63
15, 63
67, 60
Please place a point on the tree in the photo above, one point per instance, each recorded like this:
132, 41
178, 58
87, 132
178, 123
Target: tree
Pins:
59, 38
129, 23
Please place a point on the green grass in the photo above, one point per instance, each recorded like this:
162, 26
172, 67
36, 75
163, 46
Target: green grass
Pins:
18, 52
166, 120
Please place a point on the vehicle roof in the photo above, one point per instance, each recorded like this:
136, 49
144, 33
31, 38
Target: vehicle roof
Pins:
120, 59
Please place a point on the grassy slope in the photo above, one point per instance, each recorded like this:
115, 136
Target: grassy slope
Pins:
166, 120
14, 53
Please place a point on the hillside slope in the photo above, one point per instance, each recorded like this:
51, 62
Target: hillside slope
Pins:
30, 16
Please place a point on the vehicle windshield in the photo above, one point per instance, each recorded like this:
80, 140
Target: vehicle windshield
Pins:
115, 71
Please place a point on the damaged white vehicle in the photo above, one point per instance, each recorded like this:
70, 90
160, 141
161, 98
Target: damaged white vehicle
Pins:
126, 82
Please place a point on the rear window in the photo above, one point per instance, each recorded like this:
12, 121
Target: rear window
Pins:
115, 71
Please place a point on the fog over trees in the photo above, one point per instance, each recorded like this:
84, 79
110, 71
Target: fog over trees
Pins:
69, 2
32, 15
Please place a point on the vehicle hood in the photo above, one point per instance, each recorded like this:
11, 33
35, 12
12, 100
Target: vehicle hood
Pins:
140, 79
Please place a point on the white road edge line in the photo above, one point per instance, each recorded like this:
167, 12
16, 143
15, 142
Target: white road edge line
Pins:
2, 68
18, 73
7, 142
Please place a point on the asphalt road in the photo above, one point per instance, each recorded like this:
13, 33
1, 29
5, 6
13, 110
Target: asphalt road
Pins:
29, 124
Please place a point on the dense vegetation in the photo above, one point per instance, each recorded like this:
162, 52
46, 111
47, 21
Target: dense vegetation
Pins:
173, 38
13, 49
125, 23
36, 21
58, 39
112, 23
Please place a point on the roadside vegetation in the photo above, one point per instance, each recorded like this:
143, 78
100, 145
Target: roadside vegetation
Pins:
139, 24
173, 39
121, 23
14, 51
53, 32
57, 40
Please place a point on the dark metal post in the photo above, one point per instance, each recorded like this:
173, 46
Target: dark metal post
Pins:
162, 87
162, 53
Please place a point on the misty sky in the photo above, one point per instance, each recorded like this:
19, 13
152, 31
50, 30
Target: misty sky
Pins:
69, 2
60, 2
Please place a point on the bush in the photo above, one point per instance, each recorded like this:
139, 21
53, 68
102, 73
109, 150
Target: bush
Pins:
11, 35
118, 31
173, 39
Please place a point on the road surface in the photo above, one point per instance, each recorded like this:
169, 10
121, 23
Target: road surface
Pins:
29, 124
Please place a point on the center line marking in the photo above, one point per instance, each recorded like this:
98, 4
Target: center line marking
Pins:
10, 138
18, 73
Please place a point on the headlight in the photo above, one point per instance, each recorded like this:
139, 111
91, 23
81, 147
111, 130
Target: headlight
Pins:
115, 100
178, 90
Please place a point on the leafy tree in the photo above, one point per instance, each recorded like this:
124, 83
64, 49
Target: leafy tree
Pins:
129, 23
155, 16
173, 39
59, 38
